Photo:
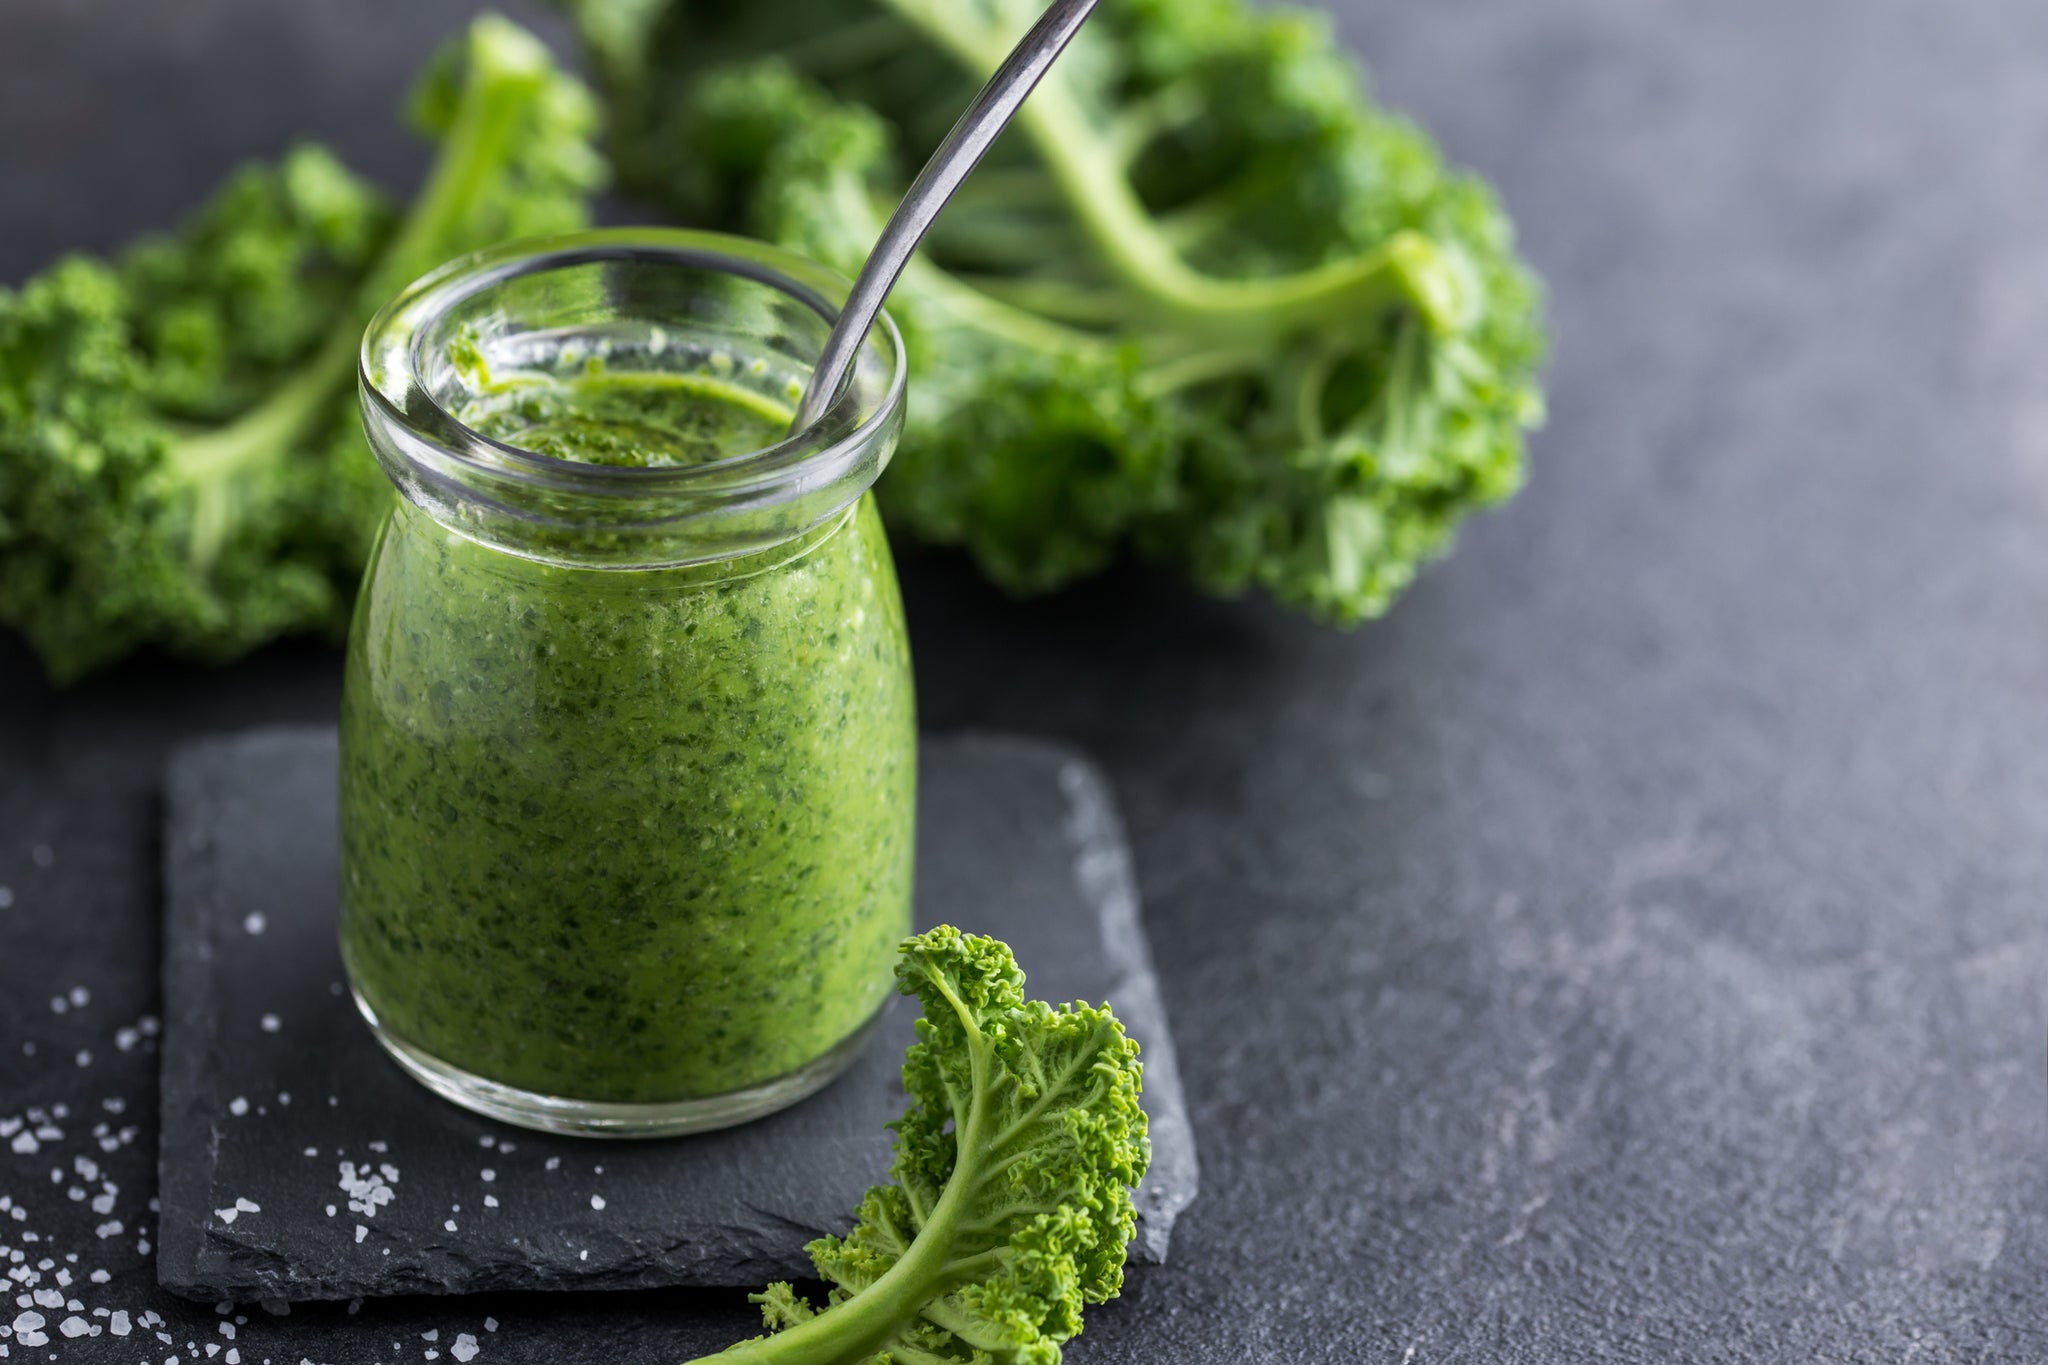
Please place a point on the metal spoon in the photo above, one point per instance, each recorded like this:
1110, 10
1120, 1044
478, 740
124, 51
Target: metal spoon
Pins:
957, 156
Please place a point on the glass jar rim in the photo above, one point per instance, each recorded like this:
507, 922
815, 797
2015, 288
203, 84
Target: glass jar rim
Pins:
798, 460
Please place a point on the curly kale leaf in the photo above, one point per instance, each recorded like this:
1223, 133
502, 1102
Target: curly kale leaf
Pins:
1206, 301
181, 463
1010, 1208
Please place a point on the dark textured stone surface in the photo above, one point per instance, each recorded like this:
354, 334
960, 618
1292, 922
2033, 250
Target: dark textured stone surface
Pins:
271, 1082
1630, 951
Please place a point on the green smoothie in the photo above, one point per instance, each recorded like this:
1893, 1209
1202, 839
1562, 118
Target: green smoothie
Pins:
627, 835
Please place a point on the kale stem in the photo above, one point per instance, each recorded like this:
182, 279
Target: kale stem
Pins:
992, 315
1408, 267
1313, 380
506, 68
1003, 188
854, 1329
1146, 120
1199, 367
1195, 222
216, 464
1062, 300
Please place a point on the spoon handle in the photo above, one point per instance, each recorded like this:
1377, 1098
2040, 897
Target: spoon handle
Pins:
955, 159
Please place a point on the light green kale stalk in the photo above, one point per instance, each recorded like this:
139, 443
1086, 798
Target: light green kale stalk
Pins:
181, 462
1010, 1208
1206, 301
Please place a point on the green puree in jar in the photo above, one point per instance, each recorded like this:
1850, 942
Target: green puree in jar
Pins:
627, 835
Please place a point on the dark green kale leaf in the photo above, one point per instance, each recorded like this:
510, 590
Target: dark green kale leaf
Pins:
1206, 301
1009, 1208
181, 462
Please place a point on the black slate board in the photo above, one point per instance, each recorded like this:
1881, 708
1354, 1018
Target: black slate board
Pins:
271, 1082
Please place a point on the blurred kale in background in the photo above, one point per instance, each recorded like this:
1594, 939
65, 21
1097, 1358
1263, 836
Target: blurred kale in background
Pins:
181, 459
1205, 303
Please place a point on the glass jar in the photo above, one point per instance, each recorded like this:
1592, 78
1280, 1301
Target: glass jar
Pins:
627, 753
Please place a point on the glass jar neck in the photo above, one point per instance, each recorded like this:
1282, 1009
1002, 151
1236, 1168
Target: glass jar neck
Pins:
624, 306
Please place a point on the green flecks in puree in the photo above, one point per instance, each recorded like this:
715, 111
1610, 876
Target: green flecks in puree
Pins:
626, 835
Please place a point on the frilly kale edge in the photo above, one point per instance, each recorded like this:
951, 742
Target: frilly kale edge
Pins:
1010, 1206
181, 463
1207, 303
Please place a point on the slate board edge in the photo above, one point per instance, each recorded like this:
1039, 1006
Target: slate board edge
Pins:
190, 1046
1104, 876
1107, 878
1094, 828
187, 973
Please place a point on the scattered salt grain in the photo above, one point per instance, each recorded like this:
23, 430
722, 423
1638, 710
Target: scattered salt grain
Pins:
271, 1023
254, 922
597, 1201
